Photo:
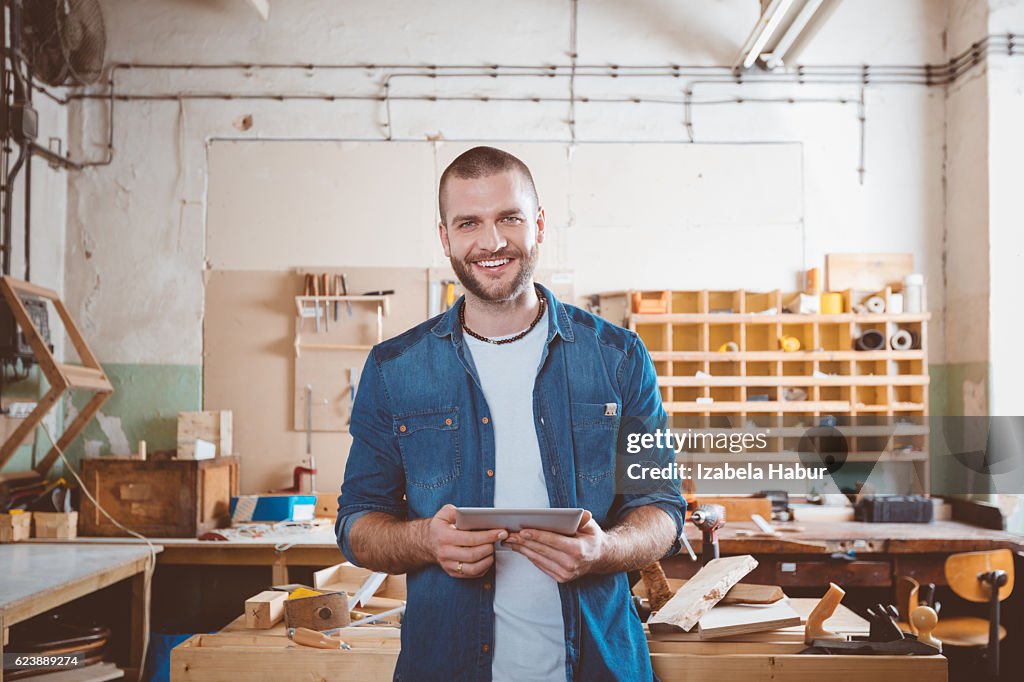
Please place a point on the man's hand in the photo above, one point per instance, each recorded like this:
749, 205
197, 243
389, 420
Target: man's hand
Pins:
461, 553
641, 538
562, 557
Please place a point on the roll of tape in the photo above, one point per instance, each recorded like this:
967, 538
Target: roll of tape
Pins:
831, 303
872, 339
790, 344
902, 340
729, 347
875, 304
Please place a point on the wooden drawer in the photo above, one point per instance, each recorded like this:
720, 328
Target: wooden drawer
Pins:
816, 573
169, 498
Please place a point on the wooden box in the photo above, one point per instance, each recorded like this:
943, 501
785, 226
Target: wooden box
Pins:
15, 527
55, 524
159, 498
213, 426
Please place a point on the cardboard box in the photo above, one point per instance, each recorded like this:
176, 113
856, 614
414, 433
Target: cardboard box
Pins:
273, 508
55, 524
15, 527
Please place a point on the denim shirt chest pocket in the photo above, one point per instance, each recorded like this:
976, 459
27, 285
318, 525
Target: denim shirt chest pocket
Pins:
595, 428
430, 447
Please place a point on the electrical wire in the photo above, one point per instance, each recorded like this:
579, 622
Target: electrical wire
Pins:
150, 559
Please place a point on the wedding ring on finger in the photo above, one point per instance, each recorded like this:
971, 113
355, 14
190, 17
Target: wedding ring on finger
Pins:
458, 569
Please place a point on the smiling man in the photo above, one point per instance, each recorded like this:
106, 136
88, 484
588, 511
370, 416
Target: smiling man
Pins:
510, 399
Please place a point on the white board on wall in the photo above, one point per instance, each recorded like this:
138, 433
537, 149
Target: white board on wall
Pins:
620, 215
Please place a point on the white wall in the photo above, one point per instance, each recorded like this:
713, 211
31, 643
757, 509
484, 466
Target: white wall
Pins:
1006, 214
142, 218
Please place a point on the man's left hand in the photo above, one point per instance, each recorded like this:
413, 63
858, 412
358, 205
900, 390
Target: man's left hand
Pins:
564, 558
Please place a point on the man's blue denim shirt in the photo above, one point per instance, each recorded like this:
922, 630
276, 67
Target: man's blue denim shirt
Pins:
422, 438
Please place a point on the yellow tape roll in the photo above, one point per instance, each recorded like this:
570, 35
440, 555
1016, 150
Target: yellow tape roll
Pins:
729, 347
790, 344
831, 303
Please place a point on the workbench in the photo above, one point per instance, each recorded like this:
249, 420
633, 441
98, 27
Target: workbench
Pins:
40, 577
881, 551
237, 652
875, 554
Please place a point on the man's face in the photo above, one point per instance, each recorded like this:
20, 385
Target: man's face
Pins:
493, 229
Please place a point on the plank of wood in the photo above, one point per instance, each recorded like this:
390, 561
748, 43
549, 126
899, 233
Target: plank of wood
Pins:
191, 662
264, 609
741, 593
739, 619
701, 593
799, 668
744, 593
866, 271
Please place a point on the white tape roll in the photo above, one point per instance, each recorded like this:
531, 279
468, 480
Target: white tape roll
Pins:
902, 340
875, 304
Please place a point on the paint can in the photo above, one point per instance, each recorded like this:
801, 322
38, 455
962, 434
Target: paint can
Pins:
831, 303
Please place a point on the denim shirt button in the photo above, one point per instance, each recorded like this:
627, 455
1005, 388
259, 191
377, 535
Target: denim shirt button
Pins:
487, 586
486, 648
485, 420
490, 473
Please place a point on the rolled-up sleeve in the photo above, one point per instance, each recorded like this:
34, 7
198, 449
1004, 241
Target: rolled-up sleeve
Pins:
643, 413
374, 478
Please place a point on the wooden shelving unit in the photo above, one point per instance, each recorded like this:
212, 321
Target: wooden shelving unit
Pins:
763, 387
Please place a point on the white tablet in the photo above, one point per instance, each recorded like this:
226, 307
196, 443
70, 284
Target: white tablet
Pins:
564, 521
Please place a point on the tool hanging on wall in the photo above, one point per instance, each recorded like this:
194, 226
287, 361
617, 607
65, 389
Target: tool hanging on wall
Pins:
344, 292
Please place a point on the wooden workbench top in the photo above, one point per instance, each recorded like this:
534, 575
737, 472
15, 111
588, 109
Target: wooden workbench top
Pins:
32, 571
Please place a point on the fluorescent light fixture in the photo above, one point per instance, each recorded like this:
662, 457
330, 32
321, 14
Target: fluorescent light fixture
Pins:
763, 32
774, 59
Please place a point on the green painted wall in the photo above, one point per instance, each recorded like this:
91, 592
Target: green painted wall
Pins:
147, 400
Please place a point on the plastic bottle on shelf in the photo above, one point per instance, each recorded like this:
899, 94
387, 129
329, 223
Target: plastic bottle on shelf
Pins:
913, 293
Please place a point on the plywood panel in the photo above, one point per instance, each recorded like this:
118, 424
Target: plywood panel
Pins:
619, 215
274, 205
248, 331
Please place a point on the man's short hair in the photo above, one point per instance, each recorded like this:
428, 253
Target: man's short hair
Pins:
482, 162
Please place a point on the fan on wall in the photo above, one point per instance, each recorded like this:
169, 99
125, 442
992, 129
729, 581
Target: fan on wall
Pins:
64, 40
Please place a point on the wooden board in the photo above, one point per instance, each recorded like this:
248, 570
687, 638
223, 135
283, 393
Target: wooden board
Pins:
250, 322
866, 271
213, 426
702, 592
798, 668
198, 660
264, 609
738, 619
741, 593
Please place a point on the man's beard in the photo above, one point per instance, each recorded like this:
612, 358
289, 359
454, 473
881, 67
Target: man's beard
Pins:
464, 271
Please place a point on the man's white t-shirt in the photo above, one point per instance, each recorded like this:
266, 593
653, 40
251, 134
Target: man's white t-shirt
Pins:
529, 633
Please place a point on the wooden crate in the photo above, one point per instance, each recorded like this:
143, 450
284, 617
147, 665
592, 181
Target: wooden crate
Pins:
213, 426
15, 527
55, 524
159, 498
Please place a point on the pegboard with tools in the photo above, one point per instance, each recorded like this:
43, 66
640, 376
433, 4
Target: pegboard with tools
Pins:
340, 314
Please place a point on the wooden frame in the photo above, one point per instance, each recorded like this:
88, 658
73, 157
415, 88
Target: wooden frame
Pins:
89, 376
